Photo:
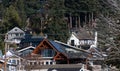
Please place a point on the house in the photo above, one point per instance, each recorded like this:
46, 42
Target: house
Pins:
14, 35
11, 61
52, 55
81, 39
54, 52
19, 38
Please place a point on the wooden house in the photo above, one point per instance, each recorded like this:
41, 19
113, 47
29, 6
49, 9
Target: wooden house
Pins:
50, 51
53, 54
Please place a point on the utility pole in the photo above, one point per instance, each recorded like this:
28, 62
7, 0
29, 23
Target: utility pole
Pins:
5, 63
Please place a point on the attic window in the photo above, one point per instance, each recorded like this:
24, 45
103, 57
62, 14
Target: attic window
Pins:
15, 29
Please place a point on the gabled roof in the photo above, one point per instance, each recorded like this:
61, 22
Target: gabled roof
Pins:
78, 53
15, 30
62, 48
11, 53
30, 47
95, 50
57, 46
34, 41
83, 34
25, 40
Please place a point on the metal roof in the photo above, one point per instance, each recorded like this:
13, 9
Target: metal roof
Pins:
57, 46
33, 41
62, 48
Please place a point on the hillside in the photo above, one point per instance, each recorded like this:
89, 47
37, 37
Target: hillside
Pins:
48, 17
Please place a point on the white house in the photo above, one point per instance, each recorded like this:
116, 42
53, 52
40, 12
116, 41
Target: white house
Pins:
81, 38
14, 35
12, 61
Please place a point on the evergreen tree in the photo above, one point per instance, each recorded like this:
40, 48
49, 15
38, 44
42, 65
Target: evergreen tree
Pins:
56, 27
20, 6
11, 18
114, 54
33, 10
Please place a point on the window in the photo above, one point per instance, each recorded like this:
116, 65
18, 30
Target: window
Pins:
11, 34
17, 34
15, 29
47, 63
21, 34
81, 42
13, 61
30, 63
17, 62
51, 63
72, 42
79, 46
39, 63
86, 42
48, 53
35, 63
42, 63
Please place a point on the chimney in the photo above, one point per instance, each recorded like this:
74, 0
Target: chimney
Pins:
95, 43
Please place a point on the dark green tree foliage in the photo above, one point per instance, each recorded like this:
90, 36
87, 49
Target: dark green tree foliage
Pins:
33, 9
10, 15
20, 5
56, 27
11, 18
114, 54
82, 5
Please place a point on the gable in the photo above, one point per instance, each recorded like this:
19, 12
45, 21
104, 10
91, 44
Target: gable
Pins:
73, 40
46, 45
43, 45
15, 30
73, 37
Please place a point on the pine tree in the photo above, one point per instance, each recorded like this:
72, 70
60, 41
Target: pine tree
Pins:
11, 18
56, 27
